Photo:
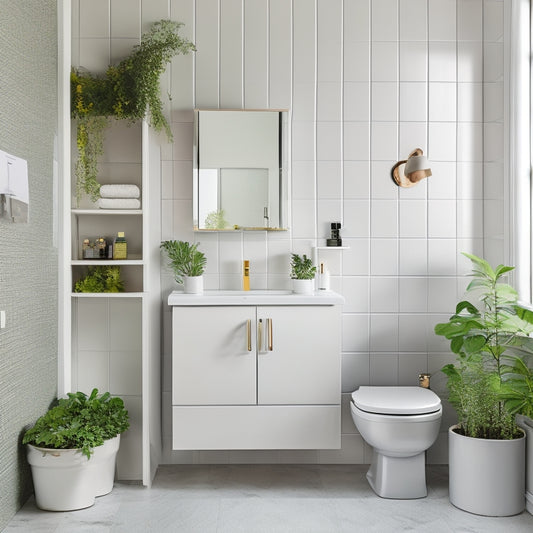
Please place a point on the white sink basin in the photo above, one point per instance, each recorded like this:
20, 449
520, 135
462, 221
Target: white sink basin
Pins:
255, 292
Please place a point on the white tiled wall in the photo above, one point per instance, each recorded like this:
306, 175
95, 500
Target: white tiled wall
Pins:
367, 81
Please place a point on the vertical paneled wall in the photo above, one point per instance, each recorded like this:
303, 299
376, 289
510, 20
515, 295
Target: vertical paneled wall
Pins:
366, 81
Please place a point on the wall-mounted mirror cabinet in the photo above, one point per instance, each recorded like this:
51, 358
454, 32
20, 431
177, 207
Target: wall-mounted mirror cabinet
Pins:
240, 169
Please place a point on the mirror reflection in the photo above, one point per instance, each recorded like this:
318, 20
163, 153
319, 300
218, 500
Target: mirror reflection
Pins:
240, 173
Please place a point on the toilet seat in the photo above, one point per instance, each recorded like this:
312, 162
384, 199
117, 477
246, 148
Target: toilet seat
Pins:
396, 400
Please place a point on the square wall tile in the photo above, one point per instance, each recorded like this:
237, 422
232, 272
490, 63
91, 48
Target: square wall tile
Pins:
384, 257
356, 101
413, 257
303, 180
94, 18
92, 324
303, 219
413, 101
470, 180
493, 141
384, 295
385, 101
95, 54
442, 61
356, 180
356, 260
442, 184
384, 369
412, 135
410, 365
470, 223
442, 141
124, 325
356, 59
470, 20
413, 20
442, 219
493, 21
356, 141
412, 333
329, 176
384, 218
383, 336
355, 371
356, 218
255, 251
442, 20
329, 95
384, 20
384, 61
278, 257
230, 254
442, 257
470, 66
442, 295
356, 293
442, 102
382, 185
413, 218
126, 19
470, 141
413, 295
92, 371
413, 61
355, 333
493, 62
125, 373
182, 182
328, 140
304, 101
471, 98
303, 140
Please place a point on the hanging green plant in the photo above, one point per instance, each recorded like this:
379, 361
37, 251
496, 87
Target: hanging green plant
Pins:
129, 90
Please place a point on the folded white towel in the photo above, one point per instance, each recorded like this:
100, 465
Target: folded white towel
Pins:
119, 203
120, 190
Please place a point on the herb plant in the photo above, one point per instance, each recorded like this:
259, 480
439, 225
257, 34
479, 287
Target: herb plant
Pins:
79, 422
184, 259
129, 90
101, 279
302, 267
492, 379
216, 220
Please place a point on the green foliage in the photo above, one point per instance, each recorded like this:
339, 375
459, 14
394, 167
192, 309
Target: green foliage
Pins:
79, 422
216, 220
302, 267
128, 91
491, 380
185, 259
104, 278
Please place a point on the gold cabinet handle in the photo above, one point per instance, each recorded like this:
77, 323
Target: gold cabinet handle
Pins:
249, 334
260, 335
269, 332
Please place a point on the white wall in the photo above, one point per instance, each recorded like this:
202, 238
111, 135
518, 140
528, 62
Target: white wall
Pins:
367, 81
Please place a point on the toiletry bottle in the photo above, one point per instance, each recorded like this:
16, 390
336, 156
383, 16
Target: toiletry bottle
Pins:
246, 276
120, 246
323, 278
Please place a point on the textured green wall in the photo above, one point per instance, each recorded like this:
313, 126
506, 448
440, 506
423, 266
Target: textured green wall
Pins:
28, 252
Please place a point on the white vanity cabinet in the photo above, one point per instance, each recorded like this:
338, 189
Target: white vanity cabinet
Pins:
263, 376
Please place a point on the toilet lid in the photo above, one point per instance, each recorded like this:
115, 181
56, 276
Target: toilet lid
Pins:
396, 400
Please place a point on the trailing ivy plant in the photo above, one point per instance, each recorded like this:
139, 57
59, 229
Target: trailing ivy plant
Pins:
492, 379
302, 267
79, 422
101, 279
129, 90
184, 259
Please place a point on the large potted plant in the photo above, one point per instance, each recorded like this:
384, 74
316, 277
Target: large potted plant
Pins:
486, 447
72, 449
187, 263
129, 90
302, 274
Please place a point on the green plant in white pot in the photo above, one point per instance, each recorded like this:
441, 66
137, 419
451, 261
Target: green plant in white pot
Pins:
486, 448
72, 449
302, 274
187, 263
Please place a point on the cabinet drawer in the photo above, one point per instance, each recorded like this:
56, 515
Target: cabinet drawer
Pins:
282, 427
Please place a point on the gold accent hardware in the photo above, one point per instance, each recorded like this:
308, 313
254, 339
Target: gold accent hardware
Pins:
260, 335
249, 334
423, 380
270, 339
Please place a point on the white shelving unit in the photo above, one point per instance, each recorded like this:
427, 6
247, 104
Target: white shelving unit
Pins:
111, 341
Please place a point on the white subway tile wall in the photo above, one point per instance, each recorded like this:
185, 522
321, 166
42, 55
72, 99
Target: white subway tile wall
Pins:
366, 81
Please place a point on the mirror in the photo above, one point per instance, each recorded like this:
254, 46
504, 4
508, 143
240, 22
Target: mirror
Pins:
240, 169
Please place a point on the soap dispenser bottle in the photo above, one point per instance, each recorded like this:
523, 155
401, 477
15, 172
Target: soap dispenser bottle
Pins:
323, 278
246, 276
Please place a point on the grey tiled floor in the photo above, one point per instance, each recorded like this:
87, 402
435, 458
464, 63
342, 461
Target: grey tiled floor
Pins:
265, 499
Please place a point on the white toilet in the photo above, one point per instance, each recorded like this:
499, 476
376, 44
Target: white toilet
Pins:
400, 423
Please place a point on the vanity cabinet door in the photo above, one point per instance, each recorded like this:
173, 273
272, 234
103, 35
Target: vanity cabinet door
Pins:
303, 365
213, 356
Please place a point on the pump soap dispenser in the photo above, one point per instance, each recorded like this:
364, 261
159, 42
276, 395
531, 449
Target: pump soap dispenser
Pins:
246, 276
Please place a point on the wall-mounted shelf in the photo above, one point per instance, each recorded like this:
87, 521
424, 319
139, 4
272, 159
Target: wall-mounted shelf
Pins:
107, 294
100, 262
100, 212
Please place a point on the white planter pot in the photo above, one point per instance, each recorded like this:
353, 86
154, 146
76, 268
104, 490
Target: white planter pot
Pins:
193, 284
487, 476
303, 286
526, 424
103, 462
62, 479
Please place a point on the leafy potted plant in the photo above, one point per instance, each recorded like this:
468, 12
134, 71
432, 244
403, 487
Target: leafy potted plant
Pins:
129, 90
302, 274
72, 449
486, 448
187, 263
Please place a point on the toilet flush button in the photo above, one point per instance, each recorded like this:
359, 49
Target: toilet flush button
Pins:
2, 319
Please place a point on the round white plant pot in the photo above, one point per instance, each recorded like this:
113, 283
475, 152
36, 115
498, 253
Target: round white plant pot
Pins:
103, 462
487, 476
193, 284
303, 286
63, 480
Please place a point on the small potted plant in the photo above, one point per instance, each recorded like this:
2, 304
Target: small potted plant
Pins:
72, 450
187, 263
302, 274
492, 340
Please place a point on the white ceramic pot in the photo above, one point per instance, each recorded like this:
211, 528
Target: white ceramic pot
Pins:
103, 462
526, 424
62, 479
487, 476
193, 284
303, 286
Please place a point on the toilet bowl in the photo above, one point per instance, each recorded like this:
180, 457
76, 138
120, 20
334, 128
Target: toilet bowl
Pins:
400, 423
